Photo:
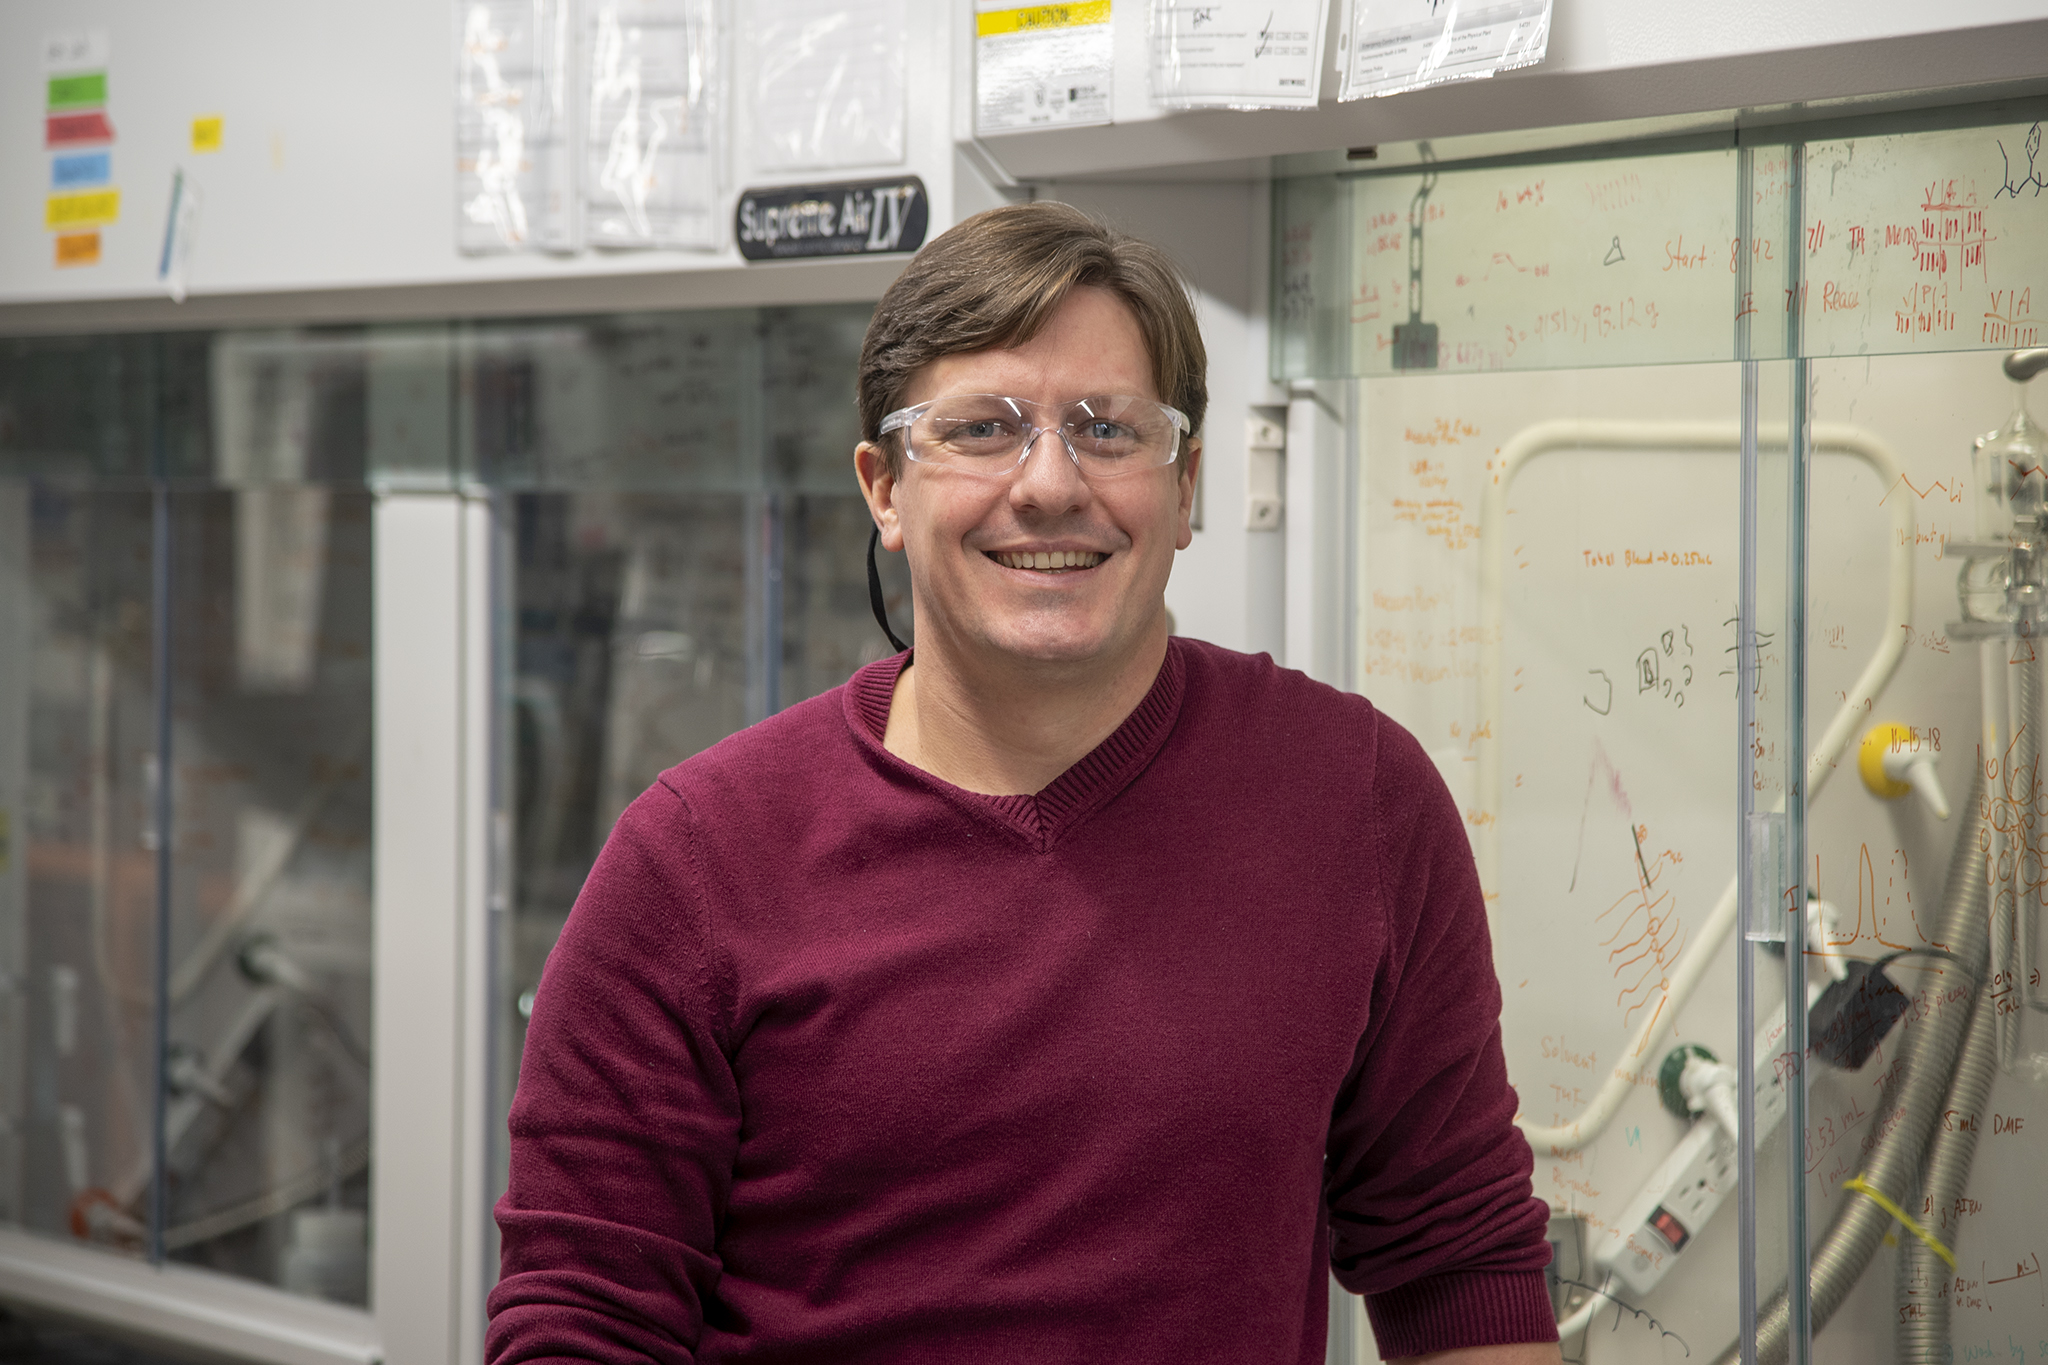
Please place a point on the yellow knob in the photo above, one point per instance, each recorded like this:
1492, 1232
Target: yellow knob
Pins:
1881, 740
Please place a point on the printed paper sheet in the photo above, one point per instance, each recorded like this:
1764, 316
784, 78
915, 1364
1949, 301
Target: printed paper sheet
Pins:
513, 169
1396, 45
1042, 66
656, 95
827, 89
1237, 54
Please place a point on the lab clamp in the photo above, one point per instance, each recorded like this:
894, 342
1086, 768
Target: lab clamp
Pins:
2003, 588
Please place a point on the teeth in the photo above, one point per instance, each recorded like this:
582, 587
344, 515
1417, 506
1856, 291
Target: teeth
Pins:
1048, 559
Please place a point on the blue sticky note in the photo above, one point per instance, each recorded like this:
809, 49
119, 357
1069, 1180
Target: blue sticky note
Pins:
81, 168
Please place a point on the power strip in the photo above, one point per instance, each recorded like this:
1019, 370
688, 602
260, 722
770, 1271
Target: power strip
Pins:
1671, 1208
1688, 1185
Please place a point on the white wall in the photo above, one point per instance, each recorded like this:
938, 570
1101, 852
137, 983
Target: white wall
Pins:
337, 169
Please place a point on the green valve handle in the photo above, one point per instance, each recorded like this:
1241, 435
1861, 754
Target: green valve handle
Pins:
1671, 1070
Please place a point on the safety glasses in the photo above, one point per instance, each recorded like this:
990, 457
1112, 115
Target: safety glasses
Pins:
990, 435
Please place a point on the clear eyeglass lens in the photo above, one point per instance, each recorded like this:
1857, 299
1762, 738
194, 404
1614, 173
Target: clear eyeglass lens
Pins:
981, 429
973, 428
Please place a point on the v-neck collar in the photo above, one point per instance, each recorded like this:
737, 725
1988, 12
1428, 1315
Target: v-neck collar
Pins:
1040, 818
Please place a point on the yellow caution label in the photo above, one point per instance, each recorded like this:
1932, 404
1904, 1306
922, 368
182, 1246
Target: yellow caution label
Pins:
206, 133
1035, 18
81, 210
73, 248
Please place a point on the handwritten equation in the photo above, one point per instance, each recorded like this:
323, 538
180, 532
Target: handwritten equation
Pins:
1923, 239
1935, 239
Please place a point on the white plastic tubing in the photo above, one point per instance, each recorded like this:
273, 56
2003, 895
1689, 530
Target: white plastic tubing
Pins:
1686, 437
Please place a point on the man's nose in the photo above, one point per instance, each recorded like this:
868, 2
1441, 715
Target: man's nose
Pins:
1051, 474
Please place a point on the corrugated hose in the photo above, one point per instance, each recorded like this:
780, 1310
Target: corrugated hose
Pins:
1911, 1103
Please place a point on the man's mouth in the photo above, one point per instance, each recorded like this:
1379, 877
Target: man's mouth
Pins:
1052, 561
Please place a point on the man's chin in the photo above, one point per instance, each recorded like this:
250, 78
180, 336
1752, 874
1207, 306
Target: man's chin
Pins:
1068, 644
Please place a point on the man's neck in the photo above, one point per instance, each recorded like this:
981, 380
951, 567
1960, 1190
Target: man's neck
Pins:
1003, 734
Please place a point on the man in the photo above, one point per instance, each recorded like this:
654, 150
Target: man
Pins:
1057, 992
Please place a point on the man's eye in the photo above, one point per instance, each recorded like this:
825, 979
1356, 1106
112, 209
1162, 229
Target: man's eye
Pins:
1104, 436
974, 430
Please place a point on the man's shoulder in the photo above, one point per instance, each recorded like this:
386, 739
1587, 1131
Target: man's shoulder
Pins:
1255, 704
1260, 692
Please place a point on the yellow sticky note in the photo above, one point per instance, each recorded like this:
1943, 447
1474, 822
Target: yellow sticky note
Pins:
81, 210
73, 248
206, 133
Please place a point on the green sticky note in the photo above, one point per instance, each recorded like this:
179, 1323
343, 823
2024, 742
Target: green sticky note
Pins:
69, 92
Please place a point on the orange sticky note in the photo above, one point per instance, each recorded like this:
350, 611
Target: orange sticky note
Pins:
206, 133
78, 248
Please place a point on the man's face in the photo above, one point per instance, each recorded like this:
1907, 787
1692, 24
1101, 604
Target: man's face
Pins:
966, 534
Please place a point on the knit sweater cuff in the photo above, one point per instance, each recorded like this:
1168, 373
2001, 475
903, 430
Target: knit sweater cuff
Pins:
1443, 1312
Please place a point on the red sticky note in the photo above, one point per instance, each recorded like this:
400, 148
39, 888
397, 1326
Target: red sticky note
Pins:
65, 130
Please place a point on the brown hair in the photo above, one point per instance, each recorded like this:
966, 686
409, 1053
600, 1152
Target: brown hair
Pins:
994, 280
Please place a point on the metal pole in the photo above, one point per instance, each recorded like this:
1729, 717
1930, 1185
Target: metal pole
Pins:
160, 989
771, 605
1798, 444
1745, 706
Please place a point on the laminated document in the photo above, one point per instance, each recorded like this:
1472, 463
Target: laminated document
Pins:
1388, 46
655, 91
1238, 54
514, 159
1041, 66
827, 84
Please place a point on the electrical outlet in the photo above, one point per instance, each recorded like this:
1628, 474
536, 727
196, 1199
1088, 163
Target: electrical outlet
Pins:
1671, 1208
1680, 1198
1264, 473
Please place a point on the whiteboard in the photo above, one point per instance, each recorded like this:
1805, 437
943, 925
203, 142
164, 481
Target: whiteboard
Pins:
1616, 821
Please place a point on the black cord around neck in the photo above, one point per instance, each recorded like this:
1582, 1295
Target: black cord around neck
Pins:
875, 592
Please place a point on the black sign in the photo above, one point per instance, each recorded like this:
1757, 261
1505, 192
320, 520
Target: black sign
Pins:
855, 218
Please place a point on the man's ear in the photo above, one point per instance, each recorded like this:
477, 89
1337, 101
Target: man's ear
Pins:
878, 485
1184, 535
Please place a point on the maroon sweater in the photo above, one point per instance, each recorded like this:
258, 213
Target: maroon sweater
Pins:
837, 1062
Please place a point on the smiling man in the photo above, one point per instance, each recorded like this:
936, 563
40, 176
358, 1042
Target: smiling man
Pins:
1057, 992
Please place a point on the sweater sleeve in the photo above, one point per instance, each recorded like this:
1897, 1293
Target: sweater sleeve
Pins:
626, 1121
1432, 1213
